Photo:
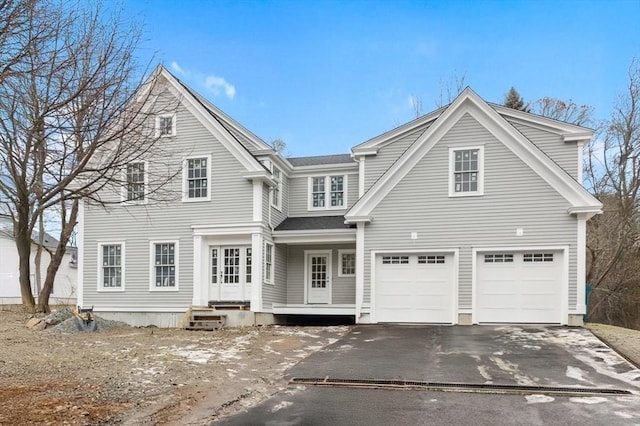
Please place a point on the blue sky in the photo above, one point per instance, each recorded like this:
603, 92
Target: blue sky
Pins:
327, 75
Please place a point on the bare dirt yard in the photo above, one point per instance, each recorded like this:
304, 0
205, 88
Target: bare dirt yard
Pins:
140, 376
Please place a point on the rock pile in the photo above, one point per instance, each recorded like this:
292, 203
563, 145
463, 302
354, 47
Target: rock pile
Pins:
63, 321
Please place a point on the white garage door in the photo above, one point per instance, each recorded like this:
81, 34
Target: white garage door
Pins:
519, 287
414, 288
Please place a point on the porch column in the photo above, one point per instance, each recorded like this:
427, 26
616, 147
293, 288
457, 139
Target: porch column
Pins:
359, 269
199, 289
258, 266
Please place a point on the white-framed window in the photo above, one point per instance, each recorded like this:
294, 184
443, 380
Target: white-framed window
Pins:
164, 266
346, 263
136, 182
276, 192
111, 266
328, 192
248, 263
197, 178
268, 263
466, 171
165, 125
538, 257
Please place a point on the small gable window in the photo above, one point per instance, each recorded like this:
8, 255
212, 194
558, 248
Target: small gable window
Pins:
466, 170
328, 192
166, 125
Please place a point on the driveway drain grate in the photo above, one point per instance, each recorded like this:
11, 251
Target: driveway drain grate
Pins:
458, 387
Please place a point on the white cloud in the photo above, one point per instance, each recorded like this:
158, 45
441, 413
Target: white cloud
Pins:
211, 82
217, 84
177, 68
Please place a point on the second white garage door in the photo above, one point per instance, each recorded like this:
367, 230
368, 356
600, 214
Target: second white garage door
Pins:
519, 287
415, 288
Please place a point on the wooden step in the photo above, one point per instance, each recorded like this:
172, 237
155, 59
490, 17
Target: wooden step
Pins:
205, 319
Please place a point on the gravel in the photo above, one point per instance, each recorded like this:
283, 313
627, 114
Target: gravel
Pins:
74, 325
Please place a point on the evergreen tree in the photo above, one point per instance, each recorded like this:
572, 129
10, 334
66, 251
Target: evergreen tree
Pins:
513, 100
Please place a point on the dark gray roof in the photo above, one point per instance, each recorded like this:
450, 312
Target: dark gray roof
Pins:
321, 159
310, 223
6, 229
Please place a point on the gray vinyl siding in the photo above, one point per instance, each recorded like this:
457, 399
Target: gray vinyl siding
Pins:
299, 195
514, 197
343, 290
565, 154
231, 202
276, 292
376, 165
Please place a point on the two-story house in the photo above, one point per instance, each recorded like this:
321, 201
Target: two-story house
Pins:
471, 214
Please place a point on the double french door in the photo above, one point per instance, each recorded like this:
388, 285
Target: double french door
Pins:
230, 271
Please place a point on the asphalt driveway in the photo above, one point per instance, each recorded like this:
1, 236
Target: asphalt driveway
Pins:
511, 355
524, 356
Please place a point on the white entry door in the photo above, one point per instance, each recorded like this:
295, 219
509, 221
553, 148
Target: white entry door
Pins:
230, 272
318, 277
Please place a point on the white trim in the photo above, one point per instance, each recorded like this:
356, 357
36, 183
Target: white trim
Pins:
327, 192
359, 269
185, 174
455, 278
327, 253
152, 271
480, 171
340, 253
173, 125
256, 278
100, 272
235, 229
269, 278
315, 309
315, 236
80, 254
571, 132
470, 103
324, 169
564, 291
257, 200
200, 285
124, 192
581, 265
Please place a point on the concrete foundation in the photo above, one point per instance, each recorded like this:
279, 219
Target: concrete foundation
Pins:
575, 320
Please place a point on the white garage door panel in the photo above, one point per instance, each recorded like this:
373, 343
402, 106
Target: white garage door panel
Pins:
414, 291
519, 290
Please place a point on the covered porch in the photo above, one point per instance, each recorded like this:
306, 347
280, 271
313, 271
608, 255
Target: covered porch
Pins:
320, 265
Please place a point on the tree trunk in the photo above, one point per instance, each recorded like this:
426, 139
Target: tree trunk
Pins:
24, 252
57, 256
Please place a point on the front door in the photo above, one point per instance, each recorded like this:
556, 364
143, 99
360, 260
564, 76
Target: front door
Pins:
230, 272
318, 277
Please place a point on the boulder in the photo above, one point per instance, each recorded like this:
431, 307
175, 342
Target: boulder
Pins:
36, 324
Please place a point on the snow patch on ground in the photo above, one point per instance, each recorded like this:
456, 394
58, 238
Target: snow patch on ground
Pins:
588, 400
539, 399
283, 404
576, 373
482, 369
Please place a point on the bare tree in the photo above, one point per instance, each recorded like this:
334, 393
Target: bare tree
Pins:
567, 111
72, 118
415, 101
450, 89
613, 243
279, 146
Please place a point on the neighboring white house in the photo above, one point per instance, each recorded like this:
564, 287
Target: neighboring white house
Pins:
471, 214
65, 284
